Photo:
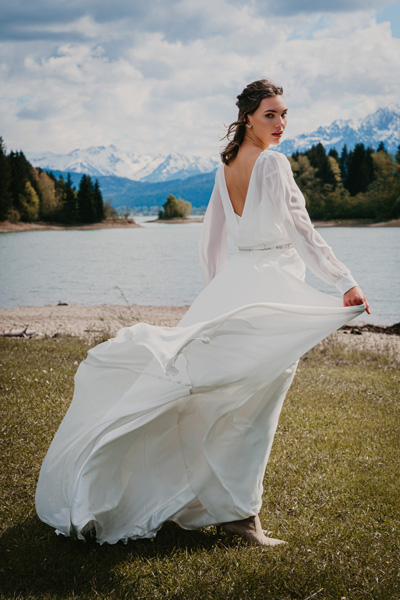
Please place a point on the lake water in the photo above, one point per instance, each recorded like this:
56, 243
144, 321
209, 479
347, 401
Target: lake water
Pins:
158, 265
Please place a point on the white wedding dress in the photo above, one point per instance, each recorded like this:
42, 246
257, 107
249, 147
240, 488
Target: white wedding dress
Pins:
177, 423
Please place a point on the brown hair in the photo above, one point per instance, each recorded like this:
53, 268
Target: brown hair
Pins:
247, 102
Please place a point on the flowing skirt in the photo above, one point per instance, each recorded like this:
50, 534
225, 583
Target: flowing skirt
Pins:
178, 423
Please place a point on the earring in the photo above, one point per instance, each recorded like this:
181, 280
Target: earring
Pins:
248, 125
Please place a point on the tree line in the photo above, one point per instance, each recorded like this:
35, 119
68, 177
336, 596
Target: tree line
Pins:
357, 184
31, 194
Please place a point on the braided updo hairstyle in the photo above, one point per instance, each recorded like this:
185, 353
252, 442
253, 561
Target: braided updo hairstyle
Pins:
247, 102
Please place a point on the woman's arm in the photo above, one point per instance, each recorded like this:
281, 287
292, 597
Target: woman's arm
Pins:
290, 205
213, 238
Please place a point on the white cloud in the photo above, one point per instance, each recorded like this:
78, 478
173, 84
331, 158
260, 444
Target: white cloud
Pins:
131, 81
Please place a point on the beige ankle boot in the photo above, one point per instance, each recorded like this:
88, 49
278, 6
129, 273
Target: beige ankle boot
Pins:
250, 529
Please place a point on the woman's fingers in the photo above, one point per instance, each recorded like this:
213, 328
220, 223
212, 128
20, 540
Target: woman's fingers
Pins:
354, 297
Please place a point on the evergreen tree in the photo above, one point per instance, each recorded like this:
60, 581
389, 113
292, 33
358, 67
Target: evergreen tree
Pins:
69, 211
334, 154
320, 161
98, 202
344, 156
86, 207
5, 178
360, 170
60, 191
21, 172
381, 147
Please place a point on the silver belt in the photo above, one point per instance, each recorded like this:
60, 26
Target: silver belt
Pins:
265, 247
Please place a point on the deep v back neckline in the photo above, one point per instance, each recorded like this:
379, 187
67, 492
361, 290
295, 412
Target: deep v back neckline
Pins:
248, 188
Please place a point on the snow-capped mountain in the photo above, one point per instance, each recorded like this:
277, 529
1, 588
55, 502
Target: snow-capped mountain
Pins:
102, 161
180, 166
381, 126
98, 160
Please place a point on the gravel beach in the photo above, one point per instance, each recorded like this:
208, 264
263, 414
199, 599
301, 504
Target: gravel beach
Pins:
87, 322
97, 323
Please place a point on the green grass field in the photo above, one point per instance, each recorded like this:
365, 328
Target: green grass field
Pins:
331, 491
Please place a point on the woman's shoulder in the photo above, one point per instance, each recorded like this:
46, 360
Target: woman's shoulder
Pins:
273, 161
274, 156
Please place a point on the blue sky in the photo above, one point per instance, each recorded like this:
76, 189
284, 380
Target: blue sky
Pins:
391, 13
162, 75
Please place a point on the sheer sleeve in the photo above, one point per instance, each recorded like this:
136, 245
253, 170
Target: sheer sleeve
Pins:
290, 205
213, 238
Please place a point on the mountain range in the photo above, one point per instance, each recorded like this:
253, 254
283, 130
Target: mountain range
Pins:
134, 180
110, 161
381, 126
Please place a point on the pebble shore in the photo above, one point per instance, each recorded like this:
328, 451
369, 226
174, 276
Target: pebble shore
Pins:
97, 323
87, 322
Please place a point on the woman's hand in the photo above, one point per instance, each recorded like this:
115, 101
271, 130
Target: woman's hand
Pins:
354, 297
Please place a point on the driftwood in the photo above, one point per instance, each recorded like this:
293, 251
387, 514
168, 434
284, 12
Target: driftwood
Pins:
21, 333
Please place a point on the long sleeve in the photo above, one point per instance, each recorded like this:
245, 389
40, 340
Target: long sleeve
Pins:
290, 205
213, 238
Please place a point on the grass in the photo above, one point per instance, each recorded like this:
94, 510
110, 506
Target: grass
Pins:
331, 491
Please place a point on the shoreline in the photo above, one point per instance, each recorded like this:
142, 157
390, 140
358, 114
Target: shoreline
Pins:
356, 223
177, 220
89, 322
94, 323
7, 227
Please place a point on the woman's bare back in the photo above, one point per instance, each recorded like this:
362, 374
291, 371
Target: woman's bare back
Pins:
237, 177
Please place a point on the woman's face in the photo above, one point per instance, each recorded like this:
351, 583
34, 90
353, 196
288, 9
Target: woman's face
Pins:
268, 122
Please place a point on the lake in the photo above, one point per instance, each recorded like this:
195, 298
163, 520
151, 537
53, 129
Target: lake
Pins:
158, 265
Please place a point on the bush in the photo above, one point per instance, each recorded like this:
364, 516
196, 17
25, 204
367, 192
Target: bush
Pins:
175, 208
109, 210
13, 215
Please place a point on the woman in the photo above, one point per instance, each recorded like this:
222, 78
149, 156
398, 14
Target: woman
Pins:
177, 423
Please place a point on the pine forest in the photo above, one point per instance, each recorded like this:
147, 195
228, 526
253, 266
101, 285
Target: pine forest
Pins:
30, 194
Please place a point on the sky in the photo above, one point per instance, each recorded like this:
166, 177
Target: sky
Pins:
161, 76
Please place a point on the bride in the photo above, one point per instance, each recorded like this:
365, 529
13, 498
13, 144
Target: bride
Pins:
177, 423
